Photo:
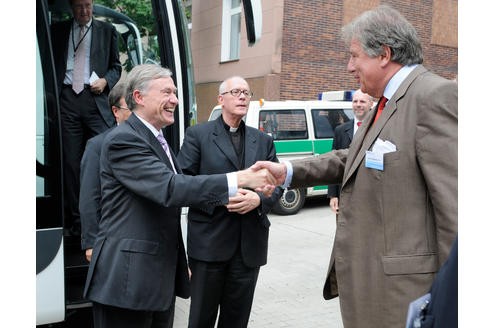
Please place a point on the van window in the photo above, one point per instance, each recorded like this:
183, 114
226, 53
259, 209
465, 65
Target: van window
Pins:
326, 120
284, 125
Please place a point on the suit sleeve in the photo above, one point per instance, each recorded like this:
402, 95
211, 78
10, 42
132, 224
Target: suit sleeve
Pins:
136, 166
112, 75
318, 170
333, 189
90, 194
436, 143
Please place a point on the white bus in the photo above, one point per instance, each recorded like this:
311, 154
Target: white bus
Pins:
158, 34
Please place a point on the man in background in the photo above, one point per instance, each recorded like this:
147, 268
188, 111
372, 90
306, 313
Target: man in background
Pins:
90, 192
87, 67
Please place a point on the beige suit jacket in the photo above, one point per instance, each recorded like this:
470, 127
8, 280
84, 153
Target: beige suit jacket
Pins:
395, 226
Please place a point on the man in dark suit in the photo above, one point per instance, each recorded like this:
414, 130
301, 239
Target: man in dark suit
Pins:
138, 264
398, 203
226, 245
90, 192
87, 67
361, 105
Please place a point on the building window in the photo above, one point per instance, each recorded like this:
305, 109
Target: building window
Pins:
231, 30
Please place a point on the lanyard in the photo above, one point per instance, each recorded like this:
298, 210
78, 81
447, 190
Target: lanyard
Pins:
74, 46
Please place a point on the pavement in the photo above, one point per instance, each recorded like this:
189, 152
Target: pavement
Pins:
289, 292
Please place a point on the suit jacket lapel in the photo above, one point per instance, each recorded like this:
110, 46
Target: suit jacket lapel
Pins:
222, 141
95, 33
369, 132
148, 136
250, 146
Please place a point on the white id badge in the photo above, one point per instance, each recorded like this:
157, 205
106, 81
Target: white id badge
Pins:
374, 160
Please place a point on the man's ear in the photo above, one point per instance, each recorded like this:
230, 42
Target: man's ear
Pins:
115, 110
137, 96
385, 56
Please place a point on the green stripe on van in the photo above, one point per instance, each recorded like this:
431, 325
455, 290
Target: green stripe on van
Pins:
323, 145
293, 146
320, 146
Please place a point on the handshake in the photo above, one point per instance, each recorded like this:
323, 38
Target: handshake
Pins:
263, 176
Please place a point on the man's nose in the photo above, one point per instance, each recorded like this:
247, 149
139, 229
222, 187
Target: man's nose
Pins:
173, 99
350, 66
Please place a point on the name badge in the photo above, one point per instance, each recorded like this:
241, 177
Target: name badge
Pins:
374, 160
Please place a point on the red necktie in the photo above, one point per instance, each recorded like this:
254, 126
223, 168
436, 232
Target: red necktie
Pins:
381, 105
359, 124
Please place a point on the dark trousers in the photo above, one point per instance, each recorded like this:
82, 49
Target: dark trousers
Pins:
80, 120
106, 316
226, 285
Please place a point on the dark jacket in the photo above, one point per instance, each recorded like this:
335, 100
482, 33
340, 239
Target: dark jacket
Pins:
213, 233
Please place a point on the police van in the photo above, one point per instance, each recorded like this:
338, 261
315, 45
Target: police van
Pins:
299, 129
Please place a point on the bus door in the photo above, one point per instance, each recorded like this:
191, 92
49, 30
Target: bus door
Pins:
156, 33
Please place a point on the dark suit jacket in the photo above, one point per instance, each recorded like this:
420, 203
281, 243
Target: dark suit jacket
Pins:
341, 140
104, 59
213, 233
443, 309
90, 192
139, 258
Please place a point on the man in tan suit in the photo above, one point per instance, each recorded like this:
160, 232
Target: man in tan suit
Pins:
398, 206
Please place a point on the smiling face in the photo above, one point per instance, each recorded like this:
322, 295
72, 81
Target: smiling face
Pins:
361, 104
157, 104
366, 70
82, 10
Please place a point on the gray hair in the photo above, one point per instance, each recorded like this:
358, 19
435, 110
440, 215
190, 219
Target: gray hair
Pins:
385, 26
118, 91
223, 86
140, 77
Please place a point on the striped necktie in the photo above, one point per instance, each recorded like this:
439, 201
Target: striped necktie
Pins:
165, 147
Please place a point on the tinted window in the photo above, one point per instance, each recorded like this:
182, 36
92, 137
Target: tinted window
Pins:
326, 120
284, 125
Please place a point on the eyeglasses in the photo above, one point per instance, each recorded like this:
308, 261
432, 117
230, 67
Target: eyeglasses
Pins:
237, 93
121, 107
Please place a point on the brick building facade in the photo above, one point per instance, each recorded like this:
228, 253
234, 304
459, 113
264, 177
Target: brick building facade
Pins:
301, 52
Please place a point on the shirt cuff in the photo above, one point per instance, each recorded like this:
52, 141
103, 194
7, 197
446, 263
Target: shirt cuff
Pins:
232, 183
288, 177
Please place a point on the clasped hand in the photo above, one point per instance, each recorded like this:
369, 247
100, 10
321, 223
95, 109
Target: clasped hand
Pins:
245, 201
263, 176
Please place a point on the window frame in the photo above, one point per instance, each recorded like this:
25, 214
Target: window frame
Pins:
228, 41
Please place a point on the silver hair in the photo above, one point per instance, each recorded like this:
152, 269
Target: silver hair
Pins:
223, 86
385, 26
140, 77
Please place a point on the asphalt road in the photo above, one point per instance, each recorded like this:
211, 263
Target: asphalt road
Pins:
290, 285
